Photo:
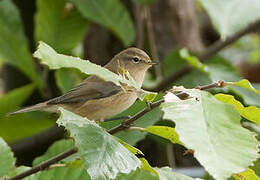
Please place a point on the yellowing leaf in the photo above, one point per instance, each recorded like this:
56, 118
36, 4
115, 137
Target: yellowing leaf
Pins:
244, 83
165, 132
251, 113
247, 175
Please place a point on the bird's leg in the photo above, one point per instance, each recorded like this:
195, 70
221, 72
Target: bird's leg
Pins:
148, 104
126, 124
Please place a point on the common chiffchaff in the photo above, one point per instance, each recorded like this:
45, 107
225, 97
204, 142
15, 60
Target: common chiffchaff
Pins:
97, 99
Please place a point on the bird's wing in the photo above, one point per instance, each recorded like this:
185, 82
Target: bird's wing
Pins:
91, 88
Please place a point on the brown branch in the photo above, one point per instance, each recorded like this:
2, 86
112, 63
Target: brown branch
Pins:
211, 51
125, 125
152, 43
128, 123
219, 45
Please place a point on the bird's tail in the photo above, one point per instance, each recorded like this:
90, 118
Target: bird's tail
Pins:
37, 107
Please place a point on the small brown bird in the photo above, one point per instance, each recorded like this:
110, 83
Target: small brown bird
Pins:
97, 99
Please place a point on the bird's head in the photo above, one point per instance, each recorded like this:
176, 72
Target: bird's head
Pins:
134, 59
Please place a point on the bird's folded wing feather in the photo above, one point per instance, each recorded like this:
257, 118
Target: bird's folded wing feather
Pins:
91, 88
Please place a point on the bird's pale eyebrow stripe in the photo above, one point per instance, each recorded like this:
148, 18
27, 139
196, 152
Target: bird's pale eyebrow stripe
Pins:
140, 55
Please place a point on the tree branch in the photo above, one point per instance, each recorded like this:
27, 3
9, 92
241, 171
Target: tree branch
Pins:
211, 51
125, 125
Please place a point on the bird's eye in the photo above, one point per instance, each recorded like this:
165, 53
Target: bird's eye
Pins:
136, 60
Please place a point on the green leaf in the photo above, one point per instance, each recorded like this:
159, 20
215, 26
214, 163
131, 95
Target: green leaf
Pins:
7, 160
166, 173
231, 16
212, 129
247, 175
102, 155
251, 113
165, 132
59, 24
10, 125
110, 14
13, 43
66, 79
192, 60
244, 83
50, 57
55, 149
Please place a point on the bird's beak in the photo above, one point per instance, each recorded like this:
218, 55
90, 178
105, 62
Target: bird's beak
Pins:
151, 63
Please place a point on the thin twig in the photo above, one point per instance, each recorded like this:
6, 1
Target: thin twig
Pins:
125, 125
211, 51
219, 84
152, 42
